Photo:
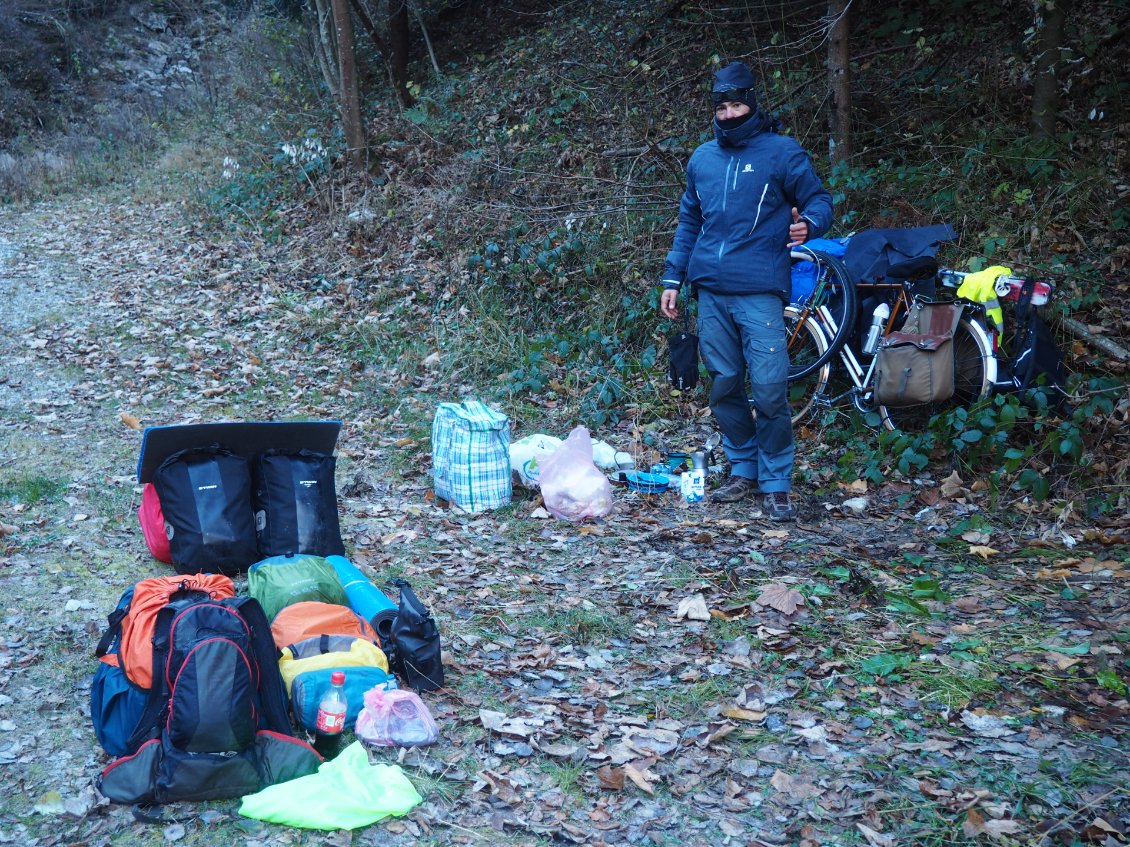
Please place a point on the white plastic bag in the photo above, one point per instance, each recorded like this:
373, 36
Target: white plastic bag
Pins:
395, 718
526, 456
571, 485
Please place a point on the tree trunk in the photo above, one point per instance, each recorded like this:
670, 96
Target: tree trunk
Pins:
1045, 84
350, 100
398, 48
325, 45
839, 81
427, 41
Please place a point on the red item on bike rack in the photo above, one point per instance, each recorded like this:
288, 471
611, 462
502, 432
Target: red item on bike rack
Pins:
1040, 293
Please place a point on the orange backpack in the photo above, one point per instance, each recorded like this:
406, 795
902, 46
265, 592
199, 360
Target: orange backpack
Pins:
132, 621
310, 618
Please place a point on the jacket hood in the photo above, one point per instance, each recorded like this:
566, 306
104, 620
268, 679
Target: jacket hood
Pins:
738, 136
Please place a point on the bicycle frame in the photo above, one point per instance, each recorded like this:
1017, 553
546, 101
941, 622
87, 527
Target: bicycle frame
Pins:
861, 374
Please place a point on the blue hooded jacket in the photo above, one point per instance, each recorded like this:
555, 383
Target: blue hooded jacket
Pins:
735, 213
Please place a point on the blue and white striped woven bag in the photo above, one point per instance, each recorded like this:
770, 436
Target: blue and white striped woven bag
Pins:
471, 455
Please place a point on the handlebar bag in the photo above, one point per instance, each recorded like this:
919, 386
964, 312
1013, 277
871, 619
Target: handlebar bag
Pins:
916, 364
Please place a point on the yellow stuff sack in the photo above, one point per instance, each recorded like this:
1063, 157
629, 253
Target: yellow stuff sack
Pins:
339, 652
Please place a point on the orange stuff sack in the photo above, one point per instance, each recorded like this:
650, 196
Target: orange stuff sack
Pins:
311, 618
131, 624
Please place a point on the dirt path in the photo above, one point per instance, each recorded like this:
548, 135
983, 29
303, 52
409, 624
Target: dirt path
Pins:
859, 679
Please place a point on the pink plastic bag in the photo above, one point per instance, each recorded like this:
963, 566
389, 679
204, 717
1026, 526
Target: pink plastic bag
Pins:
572, 486
395, 718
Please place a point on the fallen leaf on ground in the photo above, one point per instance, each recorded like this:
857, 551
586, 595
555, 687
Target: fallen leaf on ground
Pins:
693, 608
792, 787
983, 551
739, 714
875, 839
779, 596
130, 421
975, 824
1061, 662
561, 750
987, 726
611, 778
404, 535
951, 486
639, 778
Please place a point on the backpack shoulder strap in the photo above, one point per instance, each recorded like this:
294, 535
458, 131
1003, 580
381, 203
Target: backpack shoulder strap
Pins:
113, 631
148, 725
272, 690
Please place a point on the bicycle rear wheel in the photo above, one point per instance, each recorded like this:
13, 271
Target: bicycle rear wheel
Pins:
974, 371
810, 344
833, 303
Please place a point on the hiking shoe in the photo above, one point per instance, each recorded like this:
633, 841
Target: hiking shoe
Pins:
779, 507
734, 489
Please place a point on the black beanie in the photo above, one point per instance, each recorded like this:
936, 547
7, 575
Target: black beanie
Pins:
736, 83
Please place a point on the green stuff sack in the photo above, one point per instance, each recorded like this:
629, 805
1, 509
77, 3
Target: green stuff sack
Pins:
345, 793
280, 581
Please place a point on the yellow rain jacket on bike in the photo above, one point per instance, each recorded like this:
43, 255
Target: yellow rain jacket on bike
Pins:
980, 287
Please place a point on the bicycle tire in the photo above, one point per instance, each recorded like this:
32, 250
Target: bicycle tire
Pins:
833, 305
974, 374
812, 343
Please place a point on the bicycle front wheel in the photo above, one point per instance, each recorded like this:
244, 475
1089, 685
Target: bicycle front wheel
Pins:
974, 371
832, 302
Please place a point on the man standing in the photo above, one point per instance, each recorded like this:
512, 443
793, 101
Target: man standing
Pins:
751, 195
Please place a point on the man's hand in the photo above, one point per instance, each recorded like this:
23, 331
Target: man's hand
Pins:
669, 302
798, 230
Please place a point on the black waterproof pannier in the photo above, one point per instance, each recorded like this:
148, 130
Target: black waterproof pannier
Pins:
296, 504
413, 647
205, 494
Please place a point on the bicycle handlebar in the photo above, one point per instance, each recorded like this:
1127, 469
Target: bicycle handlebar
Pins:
1007, 285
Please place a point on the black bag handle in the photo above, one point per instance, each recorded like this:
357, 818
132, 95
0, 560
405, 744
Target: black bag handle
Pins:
113, 630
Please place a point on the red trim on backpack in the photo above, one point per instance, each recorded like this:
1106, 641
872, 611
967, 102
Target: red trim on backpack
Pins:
125, 759
282, 736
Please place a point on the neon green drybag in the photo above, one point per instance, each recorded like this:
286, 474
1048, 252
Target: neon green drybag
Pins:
345, 793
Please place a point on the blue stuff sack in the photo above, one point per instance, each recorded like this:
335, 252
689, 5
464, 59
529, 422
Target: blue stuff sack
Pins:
804, 273
308, 687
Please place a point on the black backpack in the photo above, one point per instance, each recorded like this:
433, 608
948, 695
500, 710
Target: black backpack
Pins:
296, 503
205, 495
1038, 365
215, 722
412, 645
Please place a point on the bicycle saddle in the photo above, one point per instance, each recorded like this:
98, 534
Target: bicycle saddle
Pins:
920, 267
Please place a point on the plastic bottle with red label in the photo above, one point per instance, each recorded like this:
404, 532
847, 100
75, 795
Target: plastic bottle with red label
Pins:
331, 717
